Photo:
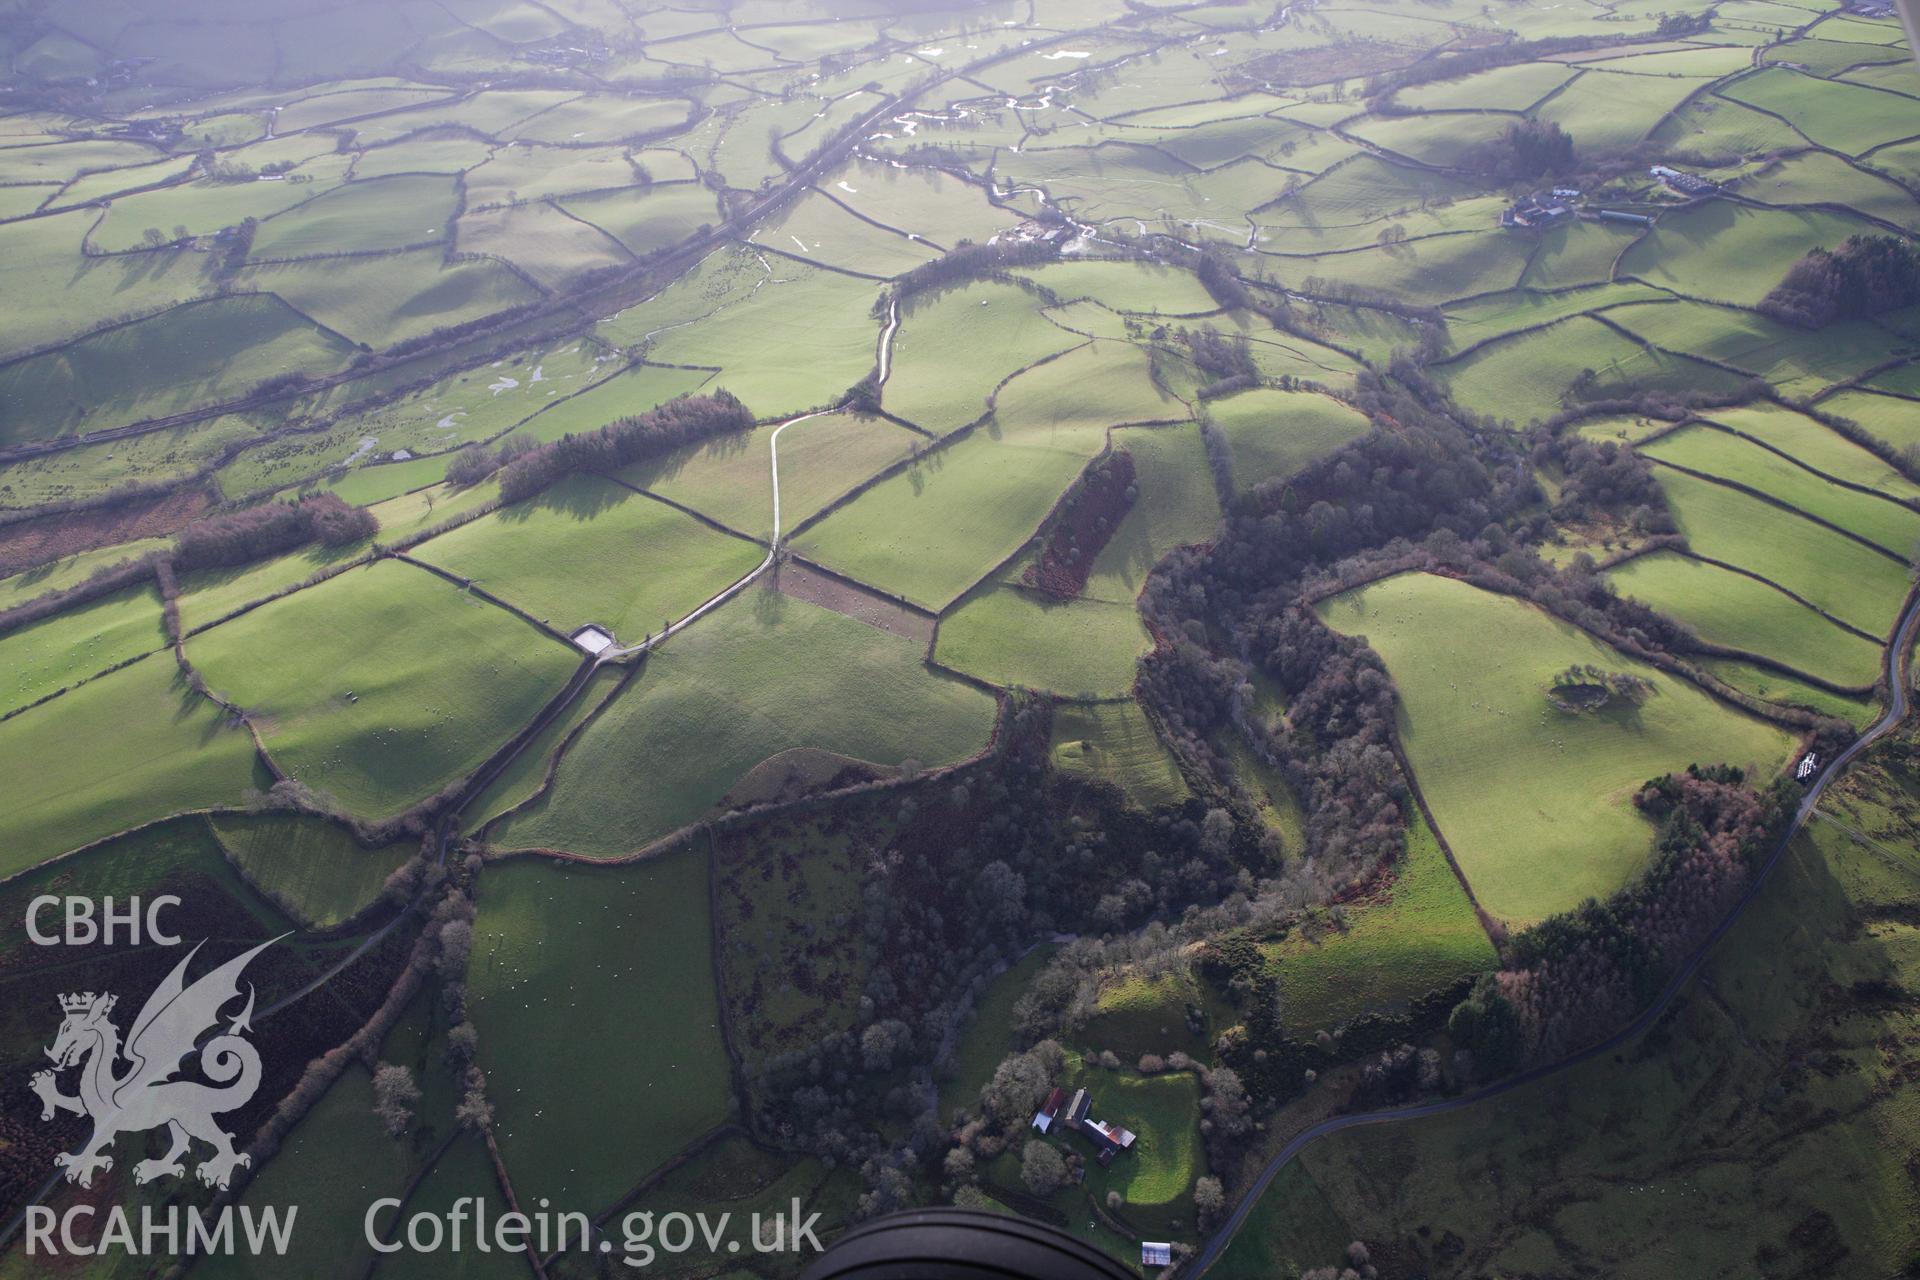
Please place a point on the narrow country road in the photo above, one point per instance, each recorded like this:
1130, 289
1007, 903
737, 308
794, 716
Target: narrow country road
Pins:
773, 544
1897, 698
886, 342
728, 593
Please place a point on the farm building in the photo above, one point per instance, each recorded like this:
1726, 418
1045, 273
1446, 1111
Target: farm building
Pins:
1043, 1118
1536, 210
1621, 215
1108, 1140
592, 640
1687, 184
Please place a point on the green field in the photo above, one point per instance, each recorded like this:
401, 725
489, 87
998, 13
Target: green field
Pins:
784, 340
1275, 433
1792, 360
415, 512
459, 405
117, 752
1425, 272
1112, 742
1815, 177
999, 326
1434, 139
1716, 127
76, 644
1818, 446
549, 245
1126, 286
1774, 687
1886, 418
162, 456
762, 675
204, 353
1597, 1161
934, 530
1136, 1014
466, 1173
927, 202
432, 152
1878, 520
603, 118
208, 595
536, 173
369, 216
1008, 635
205, 206
392, 297
1849, 118
58, 575
1732, 609
527, 772
631, 391
1158, 1171
1277, 805
1069, 403
1176, 506
1608, 109
1490, 315
1513, 88
1730, 253
641, 932
334, 1164
382, 685
590, 550
1418, 934
1535, 802
647, 220
1535, 375
1855, 584
309, 864
349, 104
729, 478
55, 293
1280, 355
819, 230
1577, 253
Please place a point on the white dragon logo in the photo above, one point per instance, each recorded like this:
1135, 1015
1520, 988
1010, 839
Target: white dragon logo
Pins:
144, 1096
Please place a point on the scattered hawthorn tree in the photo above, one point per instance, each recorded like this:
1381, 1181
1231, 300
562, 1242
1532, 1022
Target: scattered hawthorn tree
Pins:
1042, 1168
1209, 1200
395, 1095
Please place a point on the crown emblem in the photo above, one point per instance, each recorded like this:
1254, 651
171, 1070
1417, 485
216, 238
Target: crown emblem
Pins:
80, 1003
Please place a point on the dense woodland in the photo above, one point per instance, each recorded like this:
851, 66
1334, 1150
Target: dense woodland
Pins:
1578, 976
623, 442
977, 868
1865, 276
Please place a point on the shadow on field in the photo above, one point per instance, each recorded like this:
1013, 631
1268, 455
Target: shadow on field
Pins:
580, 497
645, 475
